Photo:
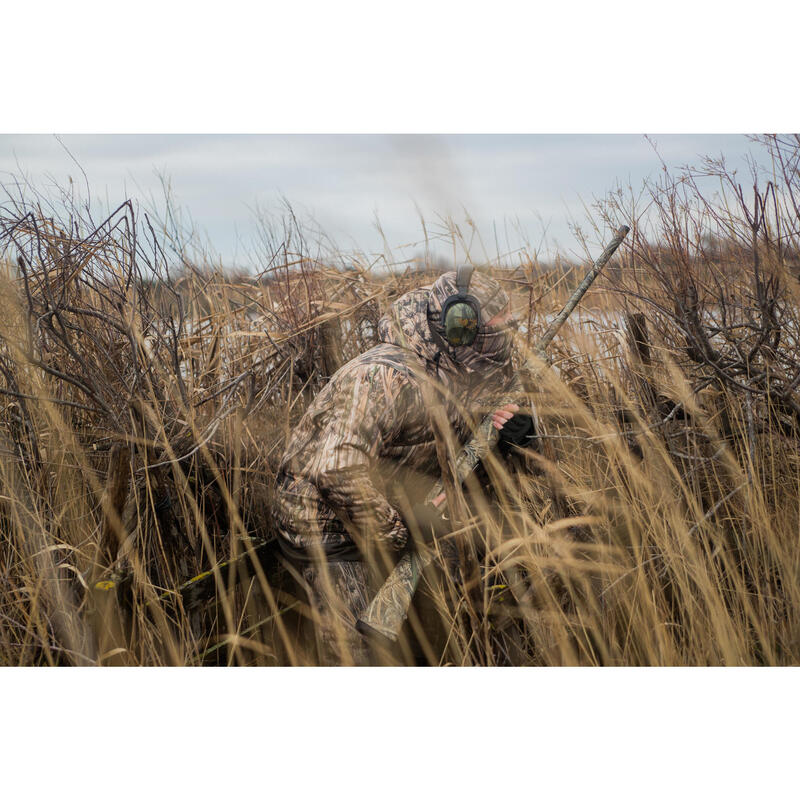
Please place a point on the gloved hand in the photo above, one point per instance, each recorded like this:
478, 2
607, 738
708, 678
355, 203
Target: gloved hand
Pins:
518, 431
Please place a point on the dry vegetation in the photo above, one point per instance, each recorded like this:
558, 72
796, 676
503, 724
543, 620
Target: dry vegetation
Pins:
146, 398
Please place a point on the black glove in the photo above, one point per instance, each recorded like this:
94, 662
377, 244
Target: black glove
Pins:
519, 431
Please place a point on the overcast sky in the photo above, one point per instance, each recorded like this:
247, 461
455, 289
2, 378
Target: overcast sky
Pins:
345, 182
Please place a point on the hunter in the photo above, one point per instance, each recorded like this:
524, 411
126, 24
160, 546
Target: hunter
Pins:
355, 465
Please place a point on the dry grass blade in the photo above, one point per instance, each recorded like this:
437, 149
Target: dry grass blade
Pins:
145, 400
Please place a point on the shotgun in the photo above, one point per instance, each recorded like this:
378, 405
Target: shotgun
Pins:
385, 615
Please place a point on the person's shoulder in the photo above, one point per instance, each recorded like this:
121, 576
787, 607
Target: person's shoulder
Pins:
390, 369
385, 357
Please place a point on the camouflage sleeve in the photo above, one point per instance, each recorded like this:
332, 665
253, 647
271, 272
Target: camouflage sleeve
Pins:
363, 415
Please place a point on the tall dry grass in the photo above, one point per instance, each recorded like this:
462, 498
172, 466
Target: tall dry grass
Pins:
147, 397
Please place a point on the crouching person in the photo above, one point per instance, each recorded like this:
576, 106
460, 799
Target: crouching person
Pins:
366, 446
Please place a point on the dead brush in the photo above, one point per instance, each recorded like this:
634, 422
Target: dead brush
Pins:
147, 397
146, 409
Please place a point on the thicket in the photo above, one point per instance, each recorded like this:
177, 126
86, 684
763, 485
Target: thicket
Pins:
147, 396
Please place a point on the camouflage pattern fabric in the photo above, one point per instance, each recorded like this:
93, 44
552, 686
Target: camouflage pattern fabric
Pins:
370, 428
338, 594
368, 436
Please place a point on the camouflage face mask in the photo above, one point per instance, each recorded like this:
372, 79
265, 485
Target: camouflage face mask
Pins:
491, 348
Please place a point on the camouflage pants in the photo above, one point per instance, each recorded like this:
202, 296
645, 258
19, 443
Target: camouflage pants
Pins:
338, 592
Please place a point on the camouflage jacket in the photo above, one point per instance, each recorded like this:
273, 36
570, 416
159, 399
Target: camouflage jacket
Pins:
368, 434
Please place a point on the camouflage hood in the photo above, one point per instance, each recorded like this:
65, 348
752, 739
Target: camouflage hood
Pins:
414, 322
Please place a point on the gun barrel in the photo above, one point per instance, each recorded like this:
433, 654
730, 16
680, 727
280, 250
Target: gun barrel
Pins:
581, 290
